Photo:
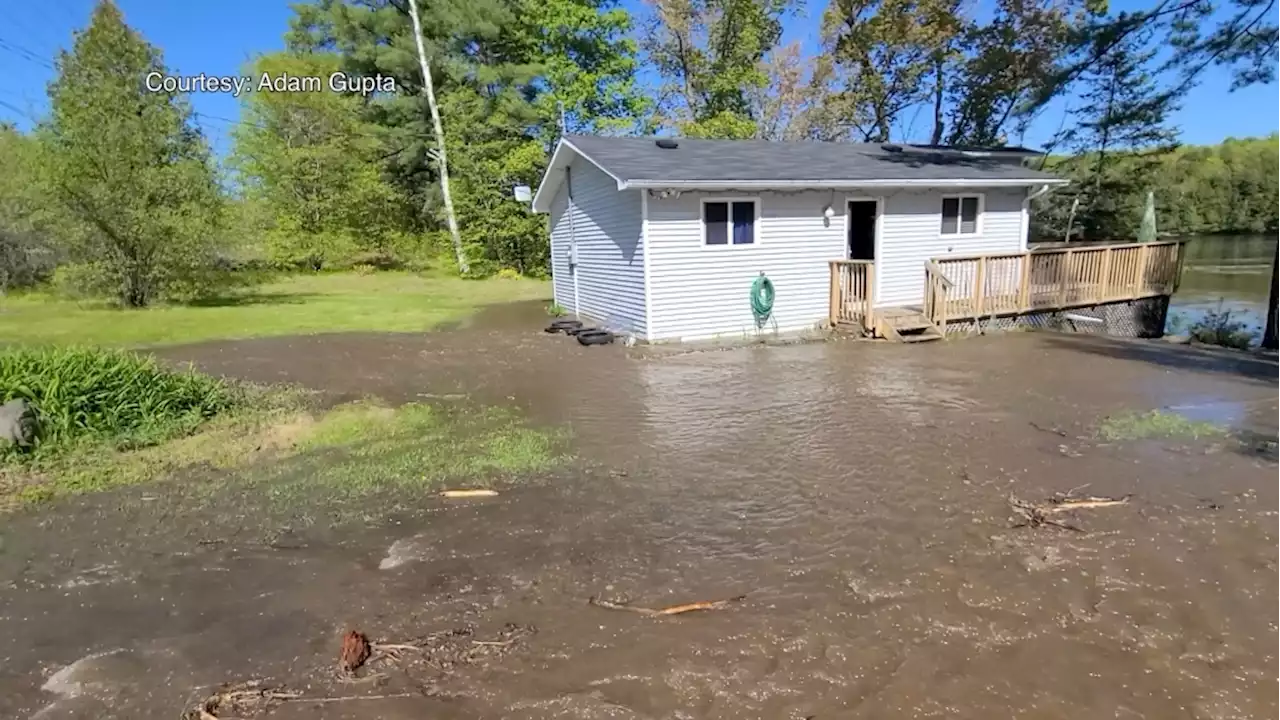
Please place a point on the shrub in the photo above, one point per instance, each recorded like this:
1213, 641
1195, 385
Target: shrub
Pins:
1218, 328
124, 398
509, 274
81, 281
25, 259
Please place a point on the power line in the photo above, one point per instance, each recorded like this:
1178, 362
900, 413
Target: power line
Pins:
24, 53
20, 111
30, 34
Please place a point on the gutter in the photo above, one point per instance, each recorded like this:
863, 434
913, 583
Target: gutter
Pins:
833, 184
1025, 220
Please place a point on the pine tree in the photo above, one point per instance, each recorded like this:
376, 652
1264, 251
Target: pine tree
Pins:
128, 164
1122, 125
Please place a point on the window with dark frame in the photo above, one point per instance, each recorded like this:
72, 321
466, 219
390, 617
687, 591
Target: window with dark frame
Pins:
960, 215
727, 222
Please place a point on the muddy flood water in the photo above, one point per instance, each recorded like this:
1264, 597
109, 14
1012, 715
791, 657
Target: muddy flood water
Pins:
856, 493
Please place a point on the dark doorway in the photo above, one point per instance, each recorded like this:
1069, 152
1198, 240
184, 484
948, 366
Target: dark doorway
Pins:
862, 229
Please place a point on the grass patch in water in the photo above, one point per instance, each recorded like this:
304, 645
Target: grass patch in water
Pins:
363, 447
1156, 424
286, 452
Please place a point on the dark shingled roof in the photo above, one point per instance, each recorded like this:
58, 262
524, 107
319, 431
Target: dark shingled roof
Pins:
638, 159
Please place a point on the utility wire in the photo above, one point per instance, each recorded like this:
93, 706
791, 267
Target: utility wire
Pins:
23, 53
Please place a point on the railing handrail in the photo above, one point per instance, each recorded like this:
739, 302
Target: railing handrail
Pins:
852, 262
932, 266
1053, 251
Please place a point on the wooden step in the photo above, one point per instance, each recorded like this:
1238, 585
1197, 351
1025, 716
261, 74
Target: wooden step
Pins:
907, 325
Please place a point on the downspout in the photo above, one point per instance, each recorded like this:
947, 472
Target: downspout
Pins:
1026, 213
573, 242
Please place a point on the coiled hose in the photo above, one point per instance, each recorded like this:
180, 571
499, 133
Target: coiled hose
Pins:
762, 299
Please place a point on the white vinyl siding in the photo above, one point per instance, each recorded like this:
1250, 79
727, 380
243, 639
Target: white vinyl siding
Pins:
910, 235
608, 227
561, 278
701, 291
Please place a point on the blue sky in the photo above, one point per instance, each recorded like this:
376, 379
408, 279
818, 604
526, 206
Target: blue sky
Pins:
219, 37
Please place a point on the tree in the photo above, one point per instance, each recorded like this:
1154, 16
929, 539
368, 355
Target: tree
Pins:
893, 55
318, 165
1269, 333
440, 154
30, 226
1123, 109
709, 55
502, 69
1010, 68
128, 164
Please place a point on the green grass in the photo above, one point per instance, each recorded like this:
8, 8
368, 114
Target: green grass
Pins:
299, 304
279, 449
1155, 424
109, 396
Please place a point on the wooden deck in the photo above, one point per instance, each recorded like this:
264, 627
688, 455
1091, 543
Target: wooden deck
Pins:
1001, 285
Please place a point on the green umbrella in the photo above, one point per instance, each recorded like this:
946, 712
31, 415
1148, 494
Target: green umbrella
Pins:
1147, 231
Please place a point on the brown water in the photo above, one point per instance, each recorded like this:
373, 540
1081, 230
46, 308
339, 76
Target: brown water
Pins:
856, 492
1224, 272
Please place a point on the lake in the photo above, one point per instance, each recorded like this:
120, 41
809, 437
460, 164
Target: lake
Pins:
1228, 271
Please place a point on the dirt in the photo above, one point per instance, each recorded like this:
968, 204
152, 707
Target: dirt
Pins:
857, 493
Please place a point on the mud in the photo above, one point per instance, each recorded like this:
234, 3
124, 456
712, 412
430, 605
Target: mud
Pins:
856, 492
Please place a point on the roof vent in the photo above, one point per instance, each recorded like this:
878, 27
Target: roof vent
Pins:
666, 143
890, 147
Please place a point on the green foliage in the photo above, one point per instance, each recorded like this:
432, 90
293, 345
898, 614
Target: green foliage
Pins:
84, 394
1155, 424
709, 54
312, 159
1233, 187
886, 49
501, 69
1218, 327
128, 165
29, 225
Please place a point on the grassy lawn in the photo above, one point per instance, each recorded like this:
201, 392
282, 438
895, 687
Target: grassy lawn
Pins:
299, 304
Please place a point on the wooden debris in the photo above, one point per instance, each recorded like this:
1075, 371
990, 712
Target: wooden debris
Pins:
1036, 515
468, 493
1087, 502
240, 700
1055, 430
671, 610
355, 652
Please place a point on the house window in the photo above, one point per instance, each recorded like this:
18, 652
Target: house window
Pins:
729, 222
960, 214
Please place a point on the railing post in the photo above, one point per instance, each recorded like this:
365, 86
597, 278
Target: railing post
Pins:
979, 282
835, 294
1024, 287
1141, 281
1104, 291
868, 318
1064, 276
1177, 271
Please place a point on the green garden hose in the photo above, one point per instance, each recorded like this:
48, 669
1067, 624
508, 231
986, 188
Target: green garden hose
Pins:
762, 299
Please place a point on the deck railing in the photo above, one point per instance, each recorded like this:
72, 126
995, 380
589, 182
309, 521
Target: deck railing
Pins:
853, 284
937, 288
976, 286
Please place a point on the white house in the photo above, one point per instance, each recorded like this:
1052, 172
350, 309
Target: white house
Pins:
664, 238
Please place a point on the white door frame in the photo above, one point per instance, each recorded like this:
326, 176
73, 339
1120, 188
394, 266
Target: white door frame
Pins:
879, 231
